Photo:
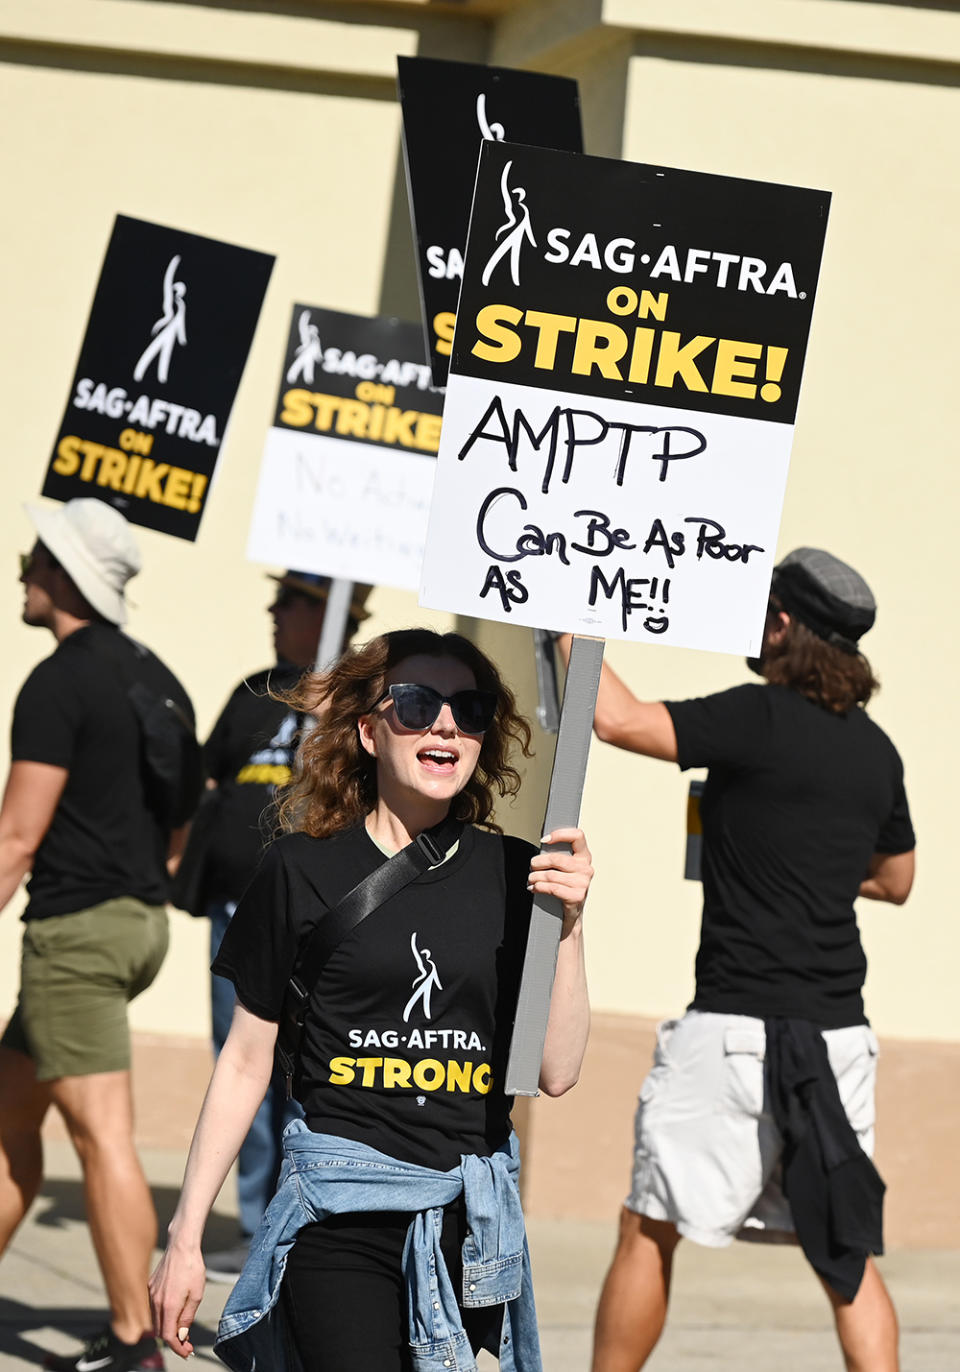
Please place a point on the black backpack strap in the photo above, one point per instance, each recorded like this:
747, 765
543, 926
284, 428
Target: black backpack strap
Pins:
426, 850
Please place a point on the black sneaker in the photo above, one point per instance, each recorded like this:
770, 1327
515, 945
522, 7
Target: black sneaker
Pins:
106, 1353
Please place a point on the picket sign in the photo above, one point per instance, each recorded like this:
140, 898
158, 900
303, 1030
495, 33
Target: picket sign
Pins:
616, 435
479, 103
166, 343
348, 461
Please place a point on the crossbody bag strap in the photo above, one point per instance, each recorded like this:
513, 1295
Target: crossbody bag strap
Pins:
427, 850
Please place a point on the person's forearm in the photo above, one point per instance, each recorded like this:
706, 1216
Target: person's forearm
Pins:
873, 889
233, 1097
639, 726
16, 860
569, 1021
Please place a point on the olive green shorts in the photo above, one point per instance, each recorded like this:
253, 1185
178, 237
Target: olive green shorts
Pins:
77, 974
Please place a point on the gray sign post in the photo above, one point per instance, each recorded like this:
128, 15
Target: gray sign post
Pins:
563, 810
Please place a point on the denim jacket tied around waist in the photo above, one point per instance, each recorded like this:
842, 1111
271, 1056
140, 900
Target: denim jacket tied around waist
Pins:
324, 1175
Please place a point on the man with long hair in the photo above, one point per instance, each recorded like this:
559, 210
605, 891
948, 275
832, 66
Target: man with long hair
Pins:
757, 1118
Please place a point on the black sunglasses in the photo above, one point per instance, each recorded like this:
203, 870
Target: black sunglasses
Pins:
418, 706
28, 562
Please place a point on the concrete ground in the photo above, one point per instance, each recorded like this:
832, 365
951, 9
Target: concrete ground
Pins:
748, 1306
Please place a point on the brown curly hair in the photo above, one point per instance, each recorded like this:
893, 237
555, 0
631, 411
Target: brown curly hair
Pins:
829, 676
335, 783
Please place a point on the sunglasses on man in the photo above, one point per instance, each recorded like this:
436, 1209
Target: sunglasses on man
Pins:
29, 560
418, 707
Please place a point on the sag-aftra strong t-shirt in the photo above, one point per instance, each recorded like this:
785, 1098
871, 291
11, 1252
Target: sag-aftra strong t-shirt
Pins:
409, 1024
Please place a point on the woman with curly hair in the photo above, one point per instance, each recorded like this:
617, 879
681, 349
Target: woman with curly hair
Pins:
395, 1239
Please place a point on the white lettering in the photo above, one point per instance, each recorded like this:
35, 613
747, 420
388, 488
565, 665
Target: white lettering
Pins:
557, 238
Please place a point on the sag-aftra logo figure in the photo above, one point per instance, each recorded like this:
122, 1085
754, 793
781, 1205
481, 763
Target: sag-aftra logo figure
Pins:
513, 230
169, 330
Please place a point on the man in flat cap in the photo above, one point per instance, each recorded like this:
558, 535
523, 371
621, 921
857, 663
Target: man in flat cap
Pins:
249, 755
82, 814
763, 1090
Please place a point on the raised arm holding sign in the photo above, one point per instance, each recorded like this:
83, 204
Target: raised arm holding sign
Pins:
618, 421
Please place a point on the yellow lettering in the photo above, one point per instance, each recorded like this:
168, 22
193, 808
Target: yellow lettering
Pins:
263, 774
133, 441
377, 414
550, 327
641, 355
198, 486
396, 1072
352, 419
398, 428
177, 490
428, 432
297, 408
443, 326
372, 392
369, 1066
655, 305
327, 406
428, 1074
112, 468
133, 470
92, 452
599, 345
622, 300
458, 1075
734, 371
675, 360
341, 1071
150, 480
489, 324
481, 1078
67, 459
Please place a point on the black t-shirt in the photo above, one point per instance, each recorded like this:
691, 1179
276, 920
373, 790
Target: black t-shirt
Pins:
73, 712
248, 754
406, 1039
796, 803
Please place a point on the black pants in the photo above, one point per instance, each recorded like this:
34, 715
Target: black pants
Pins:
344, 1293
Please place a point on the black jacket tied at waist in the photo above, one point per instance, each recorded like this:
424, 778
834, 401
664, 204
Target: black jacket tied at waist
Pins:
834, 1190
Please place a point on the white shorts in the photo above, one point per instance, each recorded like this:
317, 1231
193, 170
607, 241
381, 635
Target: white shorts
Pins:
707, 1153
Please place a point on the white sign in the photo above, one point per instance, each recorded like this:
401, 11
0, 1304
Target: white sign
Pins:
348, 465
595, 520
344, 509
621, 399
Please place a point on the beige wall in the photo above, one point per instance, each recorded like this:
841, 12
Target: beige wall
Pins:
281, 132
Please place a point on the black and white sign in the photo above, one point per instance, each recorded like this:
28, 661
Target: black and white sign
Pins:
621, 399
449, 110
348, 465
166, 343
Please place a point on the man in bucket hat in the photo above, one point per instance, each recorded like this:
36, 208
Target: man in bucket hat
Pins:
757, 1118
248, 755
76, 816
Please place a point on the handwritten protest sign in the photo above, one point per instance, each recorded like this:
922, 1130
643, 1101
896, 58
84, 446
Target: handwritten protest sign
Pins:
620, 407
169, 331
449, 108
348, 465
621, 398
